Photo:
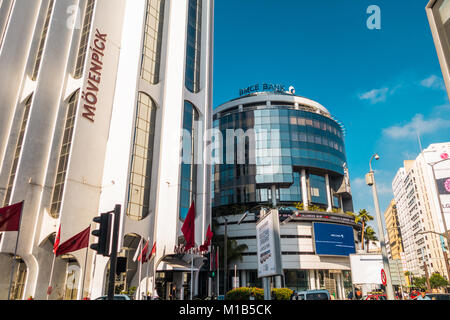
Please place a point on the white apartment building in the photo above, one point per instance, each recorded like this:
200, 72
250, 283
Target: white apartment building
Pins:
419, 211
94, 98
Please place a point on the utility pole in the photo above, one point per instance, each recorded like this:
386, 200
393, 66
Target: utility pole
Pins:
113, 256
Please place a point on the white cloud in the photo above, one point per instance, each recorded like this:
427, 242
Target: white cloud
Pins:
433, 82
417, 125
375, 95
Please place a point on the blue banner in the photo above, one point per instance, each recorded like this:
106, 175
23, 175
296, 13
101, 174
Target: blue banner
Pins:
333, 239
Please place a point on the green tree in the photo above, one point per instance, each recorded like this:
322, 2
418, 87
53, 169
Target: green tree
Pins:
363, 217
420, 282
370, 236
437, 281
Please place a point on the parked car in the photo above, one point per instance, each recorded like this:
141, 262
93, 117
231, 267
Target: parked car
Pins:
314, 295
439, 296
116, 297
375, 297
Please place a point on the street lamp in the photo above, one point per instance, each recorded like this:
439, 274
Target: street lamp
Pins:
370, 180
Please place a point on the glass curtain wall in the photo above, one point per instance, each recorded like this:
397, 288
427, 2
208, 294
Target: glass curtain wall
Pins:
142, 158
193, 50
188, 166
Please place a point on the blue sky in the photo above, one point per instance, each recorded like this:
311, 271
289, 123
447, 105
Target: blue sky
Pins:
383, 85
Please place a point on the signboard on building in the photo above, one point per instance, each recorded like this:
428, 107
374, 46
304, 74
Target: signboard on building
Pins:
268, 244
333, 239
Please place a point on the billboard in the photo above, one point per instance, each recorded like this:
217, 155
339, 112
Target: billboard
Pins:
268, 245
333, 239
366, 268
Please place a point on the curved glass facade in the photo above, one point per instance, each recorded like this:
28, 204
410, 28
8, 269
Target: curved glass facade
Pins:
286, 141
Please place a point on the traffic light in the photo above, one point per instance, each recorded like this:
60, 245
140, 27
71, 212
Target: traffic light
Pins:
212, 274
103, 233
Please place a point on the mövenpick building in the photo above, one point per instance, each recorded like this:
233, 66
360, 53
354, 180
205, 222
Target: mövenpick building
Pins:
95, 97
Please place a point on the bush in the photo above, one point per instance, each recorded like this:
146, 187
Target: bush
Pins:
243, 293
281, 294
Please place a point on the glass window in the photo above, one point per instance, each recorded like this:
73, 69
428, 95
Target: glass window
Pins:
37, 63
151, 50
188, 166
318, 189
82, 49
19, 145
142, 159
193, 49
63, 161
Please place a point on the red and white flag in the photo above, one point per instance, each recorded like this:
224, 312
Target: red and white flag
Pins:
138, 251
152, 253
10, 217
57, 240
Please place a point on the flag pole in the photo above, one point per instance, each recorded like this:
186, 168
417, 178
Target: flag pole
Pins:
51, 275
146, 279
15, 251
192, 267
218, 272
84, 272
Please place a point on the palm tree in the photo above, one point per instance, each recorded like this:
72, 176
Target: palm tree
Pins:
363, 217
370, 236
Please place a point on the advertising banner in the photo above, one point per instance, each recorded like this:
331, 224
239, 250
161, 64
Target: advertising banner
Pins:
268, 245
333, 239
366, 268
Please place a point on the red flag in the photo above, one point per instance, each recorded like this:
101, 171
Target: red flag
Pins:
57, 239
209, 235
143, 256
188, 228
10, 217
77, 242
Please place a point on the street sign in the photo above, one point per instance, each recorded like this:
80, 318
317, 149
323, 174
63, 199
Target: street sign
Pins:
383, 277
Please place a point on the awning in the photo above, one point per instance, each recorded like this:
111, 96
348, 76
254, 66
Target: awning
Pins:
180, 262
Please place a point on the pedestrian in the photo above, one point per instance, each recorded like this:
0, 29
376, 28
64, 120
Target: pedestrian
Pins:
294, 295
350, 295
358, 294
423, 295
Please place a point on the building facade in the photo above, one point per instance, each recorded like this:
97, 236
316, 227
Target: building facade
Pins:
420, 210
438, 12
393, 231
277, 144
98, 102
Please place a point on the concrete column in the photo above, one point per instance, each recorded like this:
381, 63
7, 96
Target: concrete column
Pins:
329, 200
304, 190
243, 278
312, 279
317, 279
338, 286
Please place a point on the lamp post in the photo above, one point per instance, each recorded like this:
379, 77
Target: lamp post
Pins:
370, 180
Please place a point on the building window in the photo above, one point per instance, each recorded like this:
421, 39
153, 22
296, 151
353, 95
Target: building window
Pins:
37, 63
318, 189
58, 189
193, 49
151, 51
82, 49
188, 167
18, 150
142, 159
